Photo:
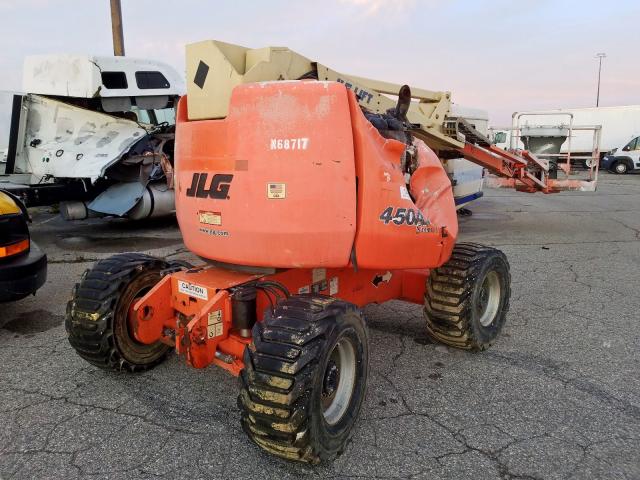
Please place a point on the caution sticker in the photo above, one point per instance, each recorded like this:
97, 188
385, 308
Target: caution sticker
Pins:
193, 290
276, 190
214, 324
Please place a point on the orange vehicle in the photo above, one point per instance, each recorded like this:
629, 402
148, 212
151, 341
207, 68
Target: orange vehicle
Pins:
305, 207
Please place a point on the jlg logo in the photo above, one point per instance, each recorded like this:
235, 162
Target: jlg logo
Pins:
219, 187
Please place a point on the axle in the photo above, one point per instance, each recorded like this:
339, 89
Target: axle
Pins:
207, 313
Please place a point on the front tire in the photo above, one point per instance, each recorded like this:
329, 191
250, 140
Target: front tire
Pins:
305, 378
620, 168
97, 320
467, 299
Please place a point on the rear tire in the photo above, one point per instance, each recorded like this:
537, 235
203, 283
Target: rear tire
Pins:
305, 378
467, 299
97, 314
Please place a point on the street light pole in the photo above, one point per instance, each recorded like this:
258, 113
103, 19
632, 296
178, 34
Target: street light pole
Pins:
599, 56
116, 28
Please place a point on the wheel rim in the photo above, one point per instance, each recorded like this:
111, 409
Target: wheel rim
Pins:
338, 381
139, 292
621, 168
131, 348
489, 299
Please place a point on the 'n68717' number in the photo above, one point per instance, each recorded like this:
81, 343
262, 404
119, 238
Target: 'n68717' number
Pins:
400, 216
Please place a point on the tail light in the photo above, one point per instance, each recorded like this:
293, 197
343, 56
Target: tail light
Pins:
14, 235
14, 249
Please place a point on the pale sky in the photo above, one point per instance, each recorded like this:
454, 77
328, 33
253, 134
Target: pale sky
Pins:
499, 55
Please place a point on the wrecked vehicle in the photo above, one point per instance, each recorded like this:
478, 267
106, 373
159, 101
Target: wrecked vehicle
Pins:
94, 134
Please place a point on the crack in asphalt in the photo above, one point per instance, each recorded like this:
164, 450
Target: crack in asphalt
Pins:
457, 435
633, 229
552, 369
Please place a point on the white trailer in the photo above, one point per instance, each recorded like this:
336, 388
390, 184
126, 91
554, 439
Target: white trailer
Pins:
619, 126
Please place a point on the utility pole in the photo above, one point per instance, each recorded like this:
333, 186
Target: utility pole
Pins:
599, 56
116, 28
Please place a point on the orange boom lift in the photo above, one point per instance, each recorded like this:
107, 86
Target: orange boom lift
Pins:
306, 202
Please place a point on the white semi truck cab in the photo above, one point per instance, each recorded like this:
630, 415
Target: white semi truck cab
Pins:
95, 134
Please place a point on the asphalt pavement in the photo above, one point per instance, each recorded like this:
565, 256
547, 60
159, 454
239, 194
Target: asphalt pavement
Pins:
557, 397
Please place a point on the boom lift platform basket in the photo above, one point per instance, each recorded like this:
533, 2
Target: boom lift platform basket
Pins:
552, 137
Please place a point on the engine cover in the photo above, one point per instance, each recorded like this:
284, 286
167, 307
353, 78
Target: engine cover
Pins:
273, 184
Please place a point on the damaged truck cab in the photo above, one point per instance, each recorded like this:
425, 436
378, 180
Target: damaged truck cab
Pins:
94, 134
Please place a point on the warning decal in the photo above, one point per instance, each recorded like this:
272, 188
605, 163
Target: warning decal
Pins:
214, 324
193, 290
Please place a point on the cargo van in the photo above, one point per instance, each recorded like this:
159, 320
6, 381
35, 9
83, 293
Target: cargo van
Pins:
623, 159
